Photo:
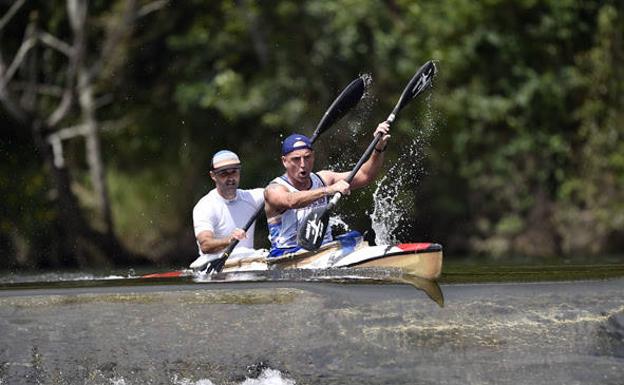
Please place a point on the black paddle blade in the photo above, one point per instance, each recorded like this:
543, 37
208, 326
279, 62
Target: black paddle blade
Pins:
312, 232
419, 82
216, 266
348, 98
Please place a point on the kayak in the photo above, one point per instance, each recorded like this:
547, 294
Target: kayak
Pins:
423, 260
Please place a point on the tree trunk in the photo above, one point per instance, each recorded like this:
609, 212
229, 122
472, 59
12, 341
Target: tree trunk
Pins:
94, 150
71, 223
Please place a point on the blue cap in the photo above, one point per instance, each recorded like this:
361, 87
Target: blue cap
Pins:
295, 142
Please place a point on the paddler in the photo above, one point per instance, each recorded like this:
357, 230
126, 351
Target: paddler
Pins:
220, 215
290, 197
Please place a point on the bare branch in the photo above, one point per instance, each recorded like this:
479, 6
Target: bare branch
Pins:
42, 89
56, 139
62, 109
83, 129
151, 7
10, 13
29, 71
57, 149
103, 100
6, 74
77, 11
56, 43
69, 132
17, 61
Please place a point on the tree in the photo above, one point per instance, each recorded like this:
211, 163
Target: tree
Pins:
39, 90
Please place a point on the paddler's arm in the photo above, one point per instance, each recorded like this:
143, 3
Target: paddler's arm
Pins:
278, 199
209, 244
370, 169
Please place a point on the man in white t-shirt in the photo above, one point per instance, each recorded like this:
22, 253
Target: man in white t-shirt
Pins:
219, 216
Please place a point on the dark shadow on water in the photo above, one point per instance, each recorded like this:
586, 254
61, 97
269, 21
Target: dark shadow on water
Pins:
468, 273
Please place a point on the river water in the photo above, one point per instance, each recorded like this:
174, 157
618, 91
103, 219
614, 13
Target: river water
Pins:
309, 329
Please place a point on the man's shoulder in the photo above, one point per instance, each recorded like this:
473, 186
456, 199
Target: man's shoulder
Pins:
280, 183
251, 194
327, 176
207, 199
251, 191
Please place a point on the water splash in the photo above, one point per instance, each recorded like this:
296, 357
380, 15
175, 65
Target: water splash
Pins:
394, 196
337, 222
388, 208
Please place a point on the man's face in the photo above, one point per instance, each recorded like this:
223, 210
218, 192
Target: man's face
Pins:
299, 164
226, 180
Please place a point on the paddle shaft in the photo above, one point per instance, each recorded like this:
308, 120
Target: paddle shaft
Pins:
250, 222
363, 159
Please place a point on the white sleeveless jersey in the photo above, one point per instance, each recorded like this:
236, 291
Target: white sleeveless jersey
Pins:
284, 227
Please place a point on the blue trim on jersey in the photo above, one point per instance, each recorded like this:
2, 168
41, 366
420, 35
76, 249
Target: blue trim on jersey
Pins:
348, 242
276, 252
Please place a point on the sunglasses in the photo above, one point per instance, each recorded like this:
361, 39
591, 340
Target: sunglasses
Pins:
228, 171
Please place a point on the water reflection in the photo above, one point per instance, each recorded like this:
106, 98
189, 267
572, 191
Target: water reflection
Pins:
431, 288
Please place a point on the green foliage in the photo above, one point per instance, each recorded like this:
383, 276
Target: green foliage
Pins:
524, 156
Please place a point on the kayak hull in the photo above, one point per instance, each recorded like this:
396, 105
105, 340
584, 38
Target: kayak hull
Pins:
425, 265
422, 260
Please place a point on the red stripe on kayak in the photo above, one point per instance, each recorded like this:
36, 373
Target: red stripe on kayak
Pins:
414, 246
169, 274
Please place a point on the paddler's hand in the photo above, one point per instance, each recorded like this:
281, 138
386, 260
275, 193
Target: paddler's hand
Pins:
341, 186
383, 129
239, 234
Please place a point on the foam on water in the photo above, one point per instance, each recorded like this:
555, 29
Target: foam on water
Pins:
185, 381
267, 377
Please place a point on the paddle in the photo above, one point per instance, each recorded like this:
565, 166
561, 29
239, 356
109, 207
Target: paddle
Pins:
312, 232
347, 99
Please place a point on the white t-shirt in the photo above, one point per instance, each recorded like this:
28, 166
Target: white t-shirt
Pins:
221, 216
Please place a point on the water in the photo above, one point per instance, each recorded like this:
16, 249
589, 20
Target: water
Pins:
310, 328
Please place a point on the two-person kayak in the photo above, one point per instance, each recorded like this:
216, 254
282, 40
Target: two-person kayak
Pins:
418, 259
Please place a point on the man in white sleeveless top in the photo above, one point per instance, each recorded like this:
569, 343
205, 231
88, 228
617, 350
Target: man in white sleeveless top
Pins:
290, 197
218, 217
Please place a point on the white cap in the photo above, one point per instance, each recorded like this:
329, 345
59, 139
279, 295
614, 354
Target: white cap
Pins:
225, 159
